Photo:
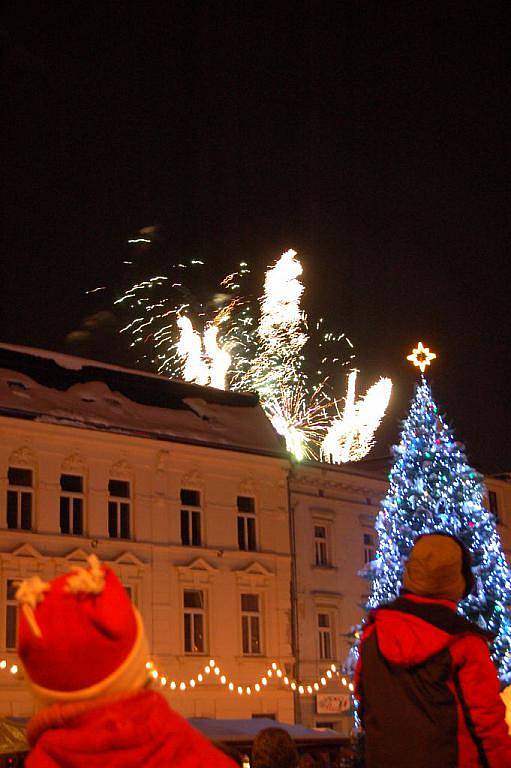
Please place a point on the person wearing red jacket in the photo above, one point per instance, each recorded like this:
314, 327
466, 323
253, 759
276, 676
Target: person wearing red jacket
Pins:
83, 649
427, 689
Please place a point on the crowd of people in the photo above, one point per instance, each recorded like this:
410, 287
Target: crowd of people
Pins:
428, 692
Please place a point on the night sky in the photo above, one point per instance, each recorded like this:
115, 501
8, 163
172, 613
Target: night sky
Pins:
371, 137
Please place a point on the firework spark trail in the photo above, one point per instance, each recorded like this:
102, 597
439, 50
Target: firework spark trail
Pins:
281, 332
220, 359
280, 304
301, 420
370, 411
341, 433
157, 303
351, 435
238, 328
189, 347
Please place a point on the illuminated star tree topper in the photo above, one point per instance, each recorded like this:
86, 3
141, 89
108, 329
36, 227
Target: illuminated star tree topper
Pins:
421, 357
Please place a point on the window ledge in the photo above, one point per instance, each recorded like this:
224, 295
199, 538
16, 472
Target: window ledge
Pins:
251, 657
187, 656
324, 567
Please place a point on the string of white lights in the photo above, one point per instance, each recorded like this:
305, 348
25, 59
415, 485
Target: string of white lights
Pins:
5, 667
212, 671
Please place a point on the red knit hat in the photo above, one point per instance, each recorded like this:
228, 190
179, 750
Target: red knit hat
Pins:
79, 636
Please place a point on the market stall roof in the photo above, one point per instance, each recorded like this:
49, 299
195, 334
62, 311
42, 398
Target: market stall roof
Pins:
243, 732
12, 736
54, 388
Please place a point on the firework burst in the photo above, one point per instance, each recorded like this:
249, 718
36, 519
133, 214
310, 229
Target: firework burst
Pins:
302, 417
232, 341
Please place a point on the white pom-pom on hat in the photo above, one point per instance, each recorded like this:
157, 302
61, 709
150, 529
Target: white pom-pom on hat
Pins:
89, 580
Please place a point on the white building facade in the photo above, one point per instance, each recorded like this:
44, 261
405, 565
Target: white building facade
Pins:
333, 509
197, 529
231, 554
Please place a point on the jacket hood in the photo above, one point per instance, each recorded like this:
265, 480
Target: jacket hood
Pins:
140, 730
413, 629
407, 640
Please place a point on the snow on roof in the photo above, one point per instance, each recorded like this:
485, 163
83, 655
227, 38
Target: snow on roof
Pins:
73, 363
50, 387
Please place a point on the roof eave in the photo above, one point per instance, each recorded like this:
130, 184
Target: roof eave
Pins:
44, 418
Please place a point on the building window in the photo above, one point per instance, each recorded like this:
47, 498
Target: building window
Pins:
11, 615
71, 504
194, 621
369, 547
325, 635
119, 509
131, 592
246, 523
19, 498
250, 624
190, 518
493, 504
320, 545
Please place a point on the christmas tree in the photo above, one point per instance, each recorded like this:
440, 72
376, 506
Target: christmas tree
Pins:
432, 488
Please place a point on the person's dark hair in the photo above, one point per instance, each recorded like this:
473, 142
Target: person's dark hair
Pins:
466, 559
274, 748
307, 761
230, 752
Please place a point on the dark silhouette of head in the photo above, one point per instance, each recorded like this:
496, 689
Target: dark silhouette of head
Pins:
230, 752
274, 748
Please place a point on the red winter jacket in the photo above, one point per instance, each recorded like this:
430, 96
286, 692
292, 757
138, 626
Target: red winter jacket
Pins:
428, 690
134, 731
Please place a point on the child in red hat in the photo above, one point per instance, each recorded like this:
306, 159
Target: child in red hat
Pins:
83, 649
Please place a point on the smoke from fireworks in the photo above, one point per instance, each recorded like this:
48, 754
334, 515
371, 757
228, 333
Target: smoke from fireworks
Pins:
231, 341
